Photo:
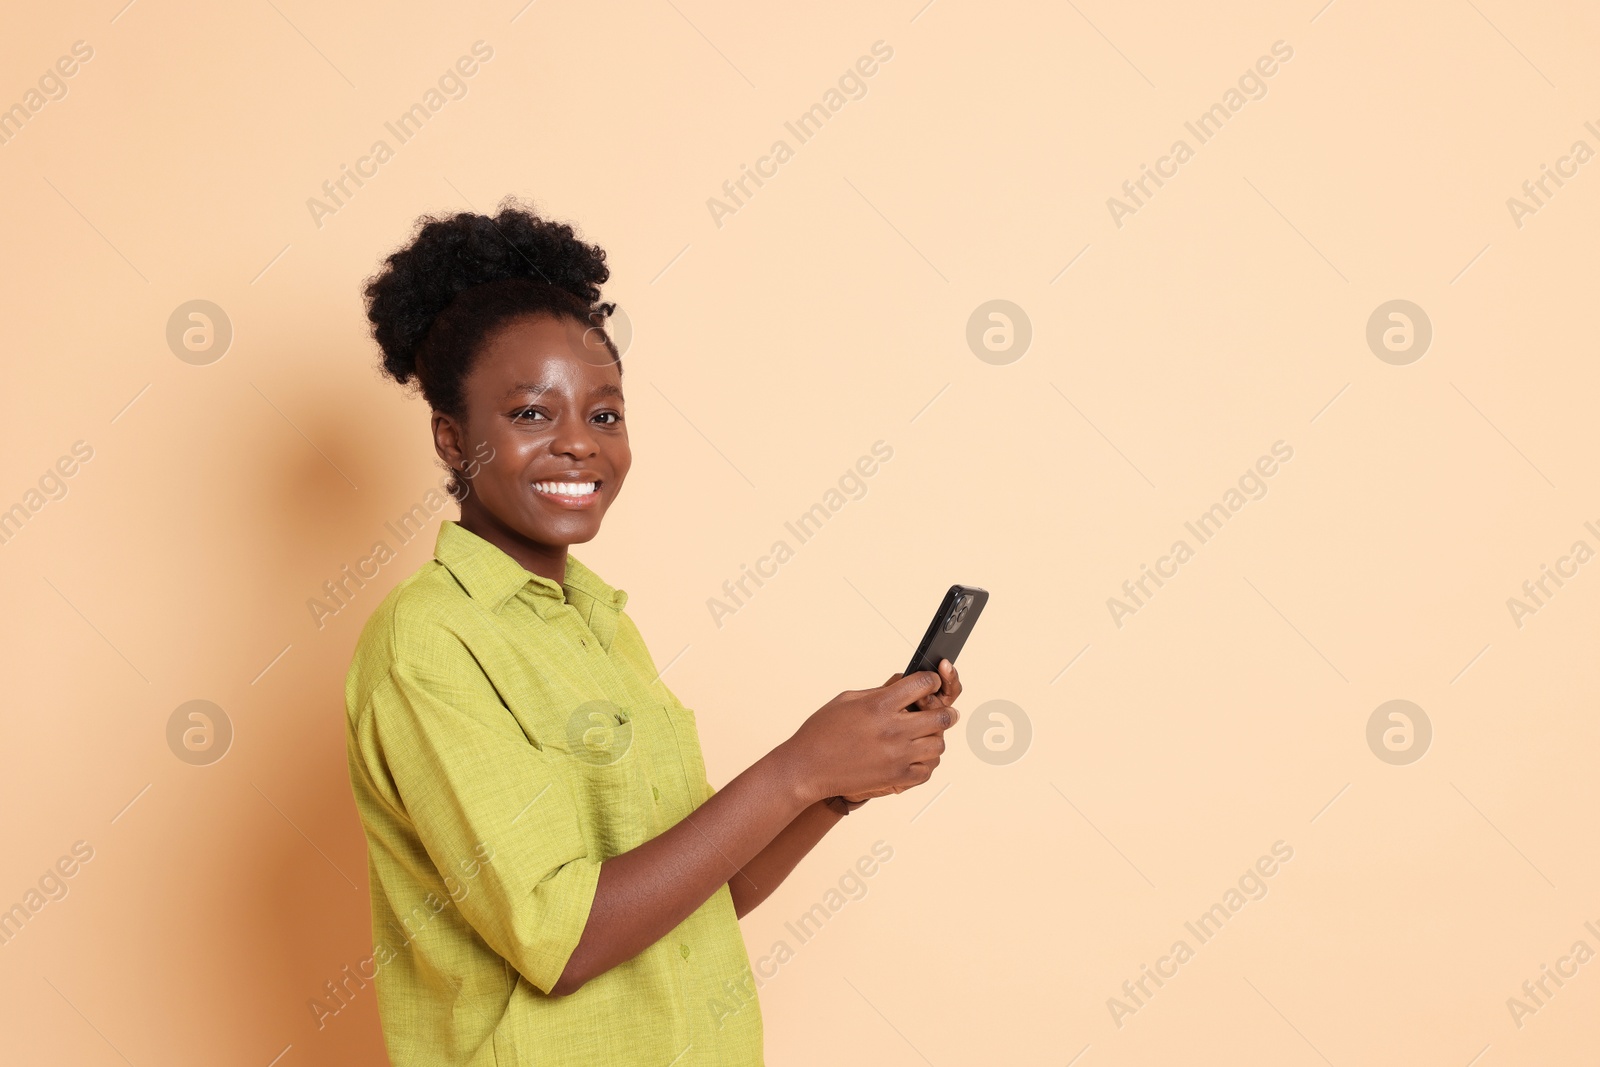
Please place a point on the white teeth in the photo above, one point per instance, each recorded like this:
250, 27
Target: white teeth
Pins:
566, 488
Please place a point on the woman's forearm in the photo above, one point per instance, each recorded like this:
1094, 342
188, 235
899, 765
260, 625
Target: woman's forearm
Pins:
863, 741
756, 880
645, 892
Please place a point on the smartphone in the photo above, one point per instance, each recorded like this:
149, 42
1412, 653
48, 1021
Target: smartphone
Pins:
951, 626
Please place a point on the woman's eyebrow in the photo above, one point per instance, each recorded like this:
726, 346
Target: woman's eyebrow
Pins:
522, 389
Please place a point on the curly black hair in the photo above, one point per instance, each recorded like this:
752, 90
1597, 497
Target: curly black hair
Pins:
462, 276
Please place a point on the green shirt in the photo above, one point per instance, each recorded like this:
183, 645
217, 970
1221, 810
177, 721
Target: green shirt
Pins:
506, 734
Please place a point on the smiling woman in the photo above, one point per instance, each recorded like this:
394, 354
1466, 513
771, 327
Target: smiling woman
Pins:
502, 698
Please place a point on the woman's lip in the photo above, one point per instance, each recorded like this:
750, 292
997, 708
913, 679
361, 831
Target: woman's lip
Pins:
577, 503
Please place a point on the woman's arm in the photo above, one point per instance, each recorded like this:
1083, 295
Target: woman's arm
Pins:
757, 879
860, 741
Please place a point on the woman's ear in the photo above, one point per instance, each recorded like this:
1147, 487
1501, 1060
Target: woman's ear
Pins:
449, 441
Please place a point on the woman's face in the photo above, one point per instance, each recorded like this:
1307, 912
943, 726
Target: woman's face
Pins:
543, 442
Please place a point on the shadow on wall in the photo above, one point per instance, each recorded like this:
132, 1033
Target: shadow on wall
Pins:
318, 507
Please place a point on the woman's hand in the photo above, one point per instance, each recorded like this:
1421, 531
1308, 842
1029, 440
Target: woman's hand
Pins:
867, 743
949, 690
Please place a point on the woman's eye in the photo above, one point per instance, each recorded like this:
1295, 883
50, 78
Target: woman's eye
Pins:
609, 418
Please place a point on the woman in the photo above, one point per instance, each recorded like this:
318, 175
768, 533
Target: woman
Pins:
554, 880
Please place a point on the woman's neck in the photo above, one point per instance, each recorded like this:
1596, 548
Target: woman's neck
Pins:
547, 561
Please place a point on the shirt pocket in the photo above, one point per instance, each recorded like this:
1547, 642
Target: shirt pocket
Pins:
609, 770
686, 734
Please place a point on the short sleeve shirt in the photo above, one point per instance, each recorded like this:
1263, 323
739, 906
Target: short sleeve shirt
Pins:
506, 735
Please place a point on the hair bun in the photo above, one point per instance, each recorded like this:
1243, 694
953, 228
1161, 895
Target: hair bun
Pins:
451, 254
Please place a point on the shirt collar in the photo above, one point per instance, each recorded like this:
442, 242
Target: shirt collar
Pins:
492, 578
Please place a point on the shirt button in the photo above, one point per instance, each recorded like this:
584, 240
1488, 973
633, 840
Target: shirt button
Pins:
684, 950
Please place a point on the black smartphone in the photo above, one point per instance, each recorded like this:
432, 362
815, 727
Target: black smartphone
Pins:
951, 626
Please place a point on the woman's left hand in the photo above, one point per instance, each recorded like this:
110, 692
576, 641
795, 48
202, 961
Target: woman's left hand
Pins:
945, 697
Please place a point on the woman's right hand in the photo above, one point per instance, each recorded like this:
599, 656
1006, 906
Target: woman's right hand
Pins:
864, 742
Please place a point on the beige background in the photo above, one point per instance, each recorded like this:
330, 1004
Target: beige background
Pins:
1228, 313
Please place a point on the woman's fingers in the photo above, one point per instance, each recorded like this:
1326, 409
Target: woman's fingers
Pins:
930, 747
949, 688
907, 691
921, 772
920, 725
951, 679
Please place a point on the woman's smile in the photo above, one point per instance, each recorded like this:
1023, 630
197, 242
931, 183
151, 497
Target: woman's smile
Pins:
570, 491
